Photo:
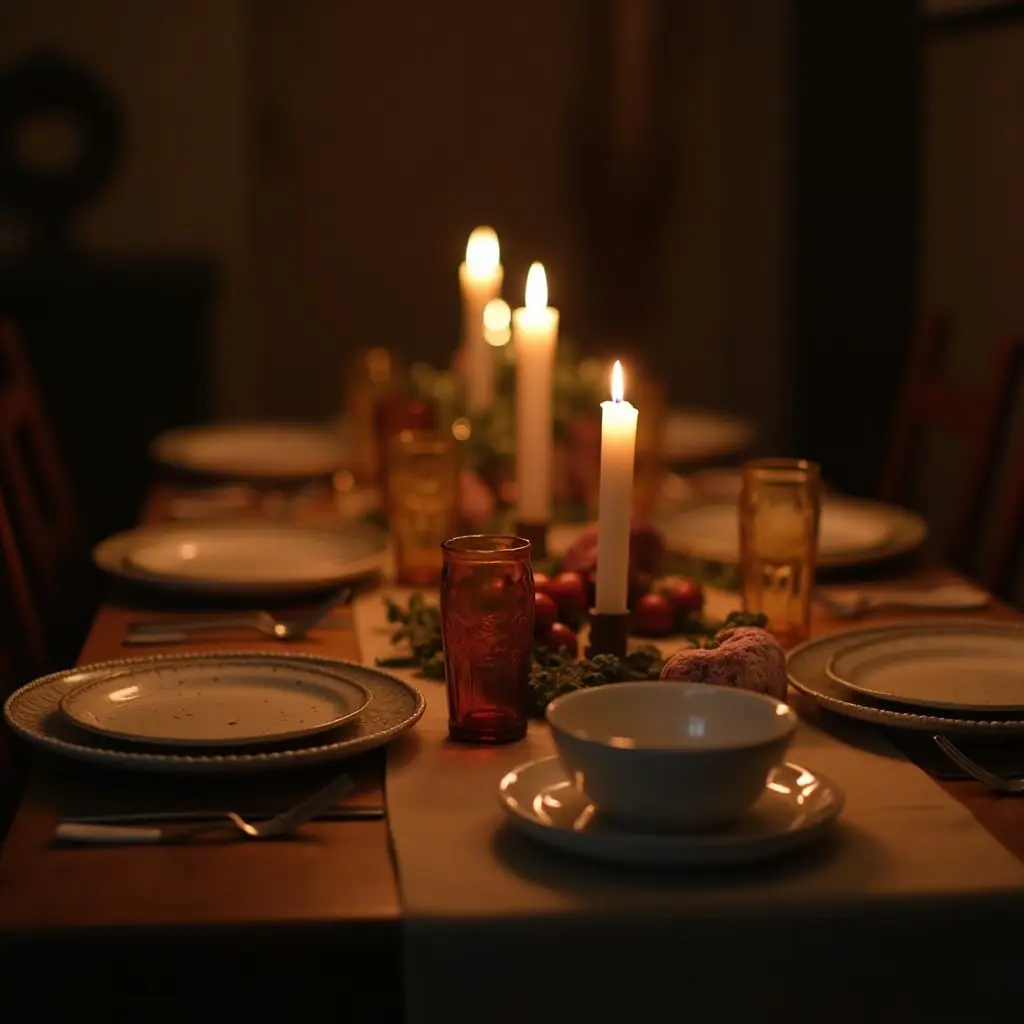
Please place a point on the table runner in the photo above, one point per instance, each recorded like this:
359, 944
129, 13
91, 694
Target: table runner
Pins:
485, 906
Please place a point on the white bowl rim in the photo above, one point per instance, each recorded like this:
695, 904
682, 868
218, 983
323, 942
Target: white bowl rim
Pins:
788, 717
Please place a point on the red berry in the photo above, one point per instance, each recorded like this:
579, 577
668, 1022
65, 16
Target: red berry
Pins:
686, 596
654, 615
560, 637
545, 613
569, 591
541, 582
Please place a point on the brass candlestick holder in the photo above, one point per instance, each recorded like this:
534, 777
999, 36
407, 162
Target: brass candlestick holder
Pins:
537, 535
608, 633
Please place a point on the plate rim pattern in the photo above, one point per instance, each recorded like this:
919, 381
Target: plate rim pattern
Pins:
198, 762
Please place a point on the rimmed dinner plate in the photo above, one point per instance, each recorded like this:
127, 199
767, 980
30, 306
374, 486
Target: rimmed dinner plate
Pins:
242, 557
34, 713
807, 668
851, 531
795, 808
252, 451
963, 668
216, 702
699, 435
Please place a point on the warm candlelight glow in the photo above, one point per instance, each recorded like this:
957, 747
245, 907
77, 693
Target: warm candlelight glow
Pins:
497, 322
536, 287
483, 254
618, 387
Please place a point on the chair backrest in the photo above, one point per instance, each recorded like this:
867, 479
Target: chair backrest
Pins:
40, 502
978, 416
1007, 532
22, 649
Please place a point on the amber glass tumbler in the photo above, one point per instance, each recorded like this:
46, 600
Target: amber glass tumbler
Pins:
487, 626
422, 500
779, 508
393, 413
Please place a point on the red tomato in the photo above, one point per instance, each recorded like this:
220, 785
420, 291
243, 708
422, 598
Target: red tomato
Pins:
569, 591
559, 637
545, 613
654, 615
685, 595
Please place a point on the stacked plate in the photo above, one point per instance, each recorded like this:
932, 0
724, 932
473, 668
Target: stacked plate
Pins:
851, 531
245, 558
958, 676
214, 713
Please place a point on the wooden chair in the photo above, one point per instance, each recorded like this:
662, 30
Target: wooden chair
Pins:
22, 650
40, 504
22, 655
1006, 552
979, 416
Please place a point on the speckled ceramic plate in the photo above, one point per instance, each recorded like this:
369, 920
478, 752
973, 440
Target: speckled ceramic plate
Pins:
252, 451
699, 435
976, 668
34, 713
807, 667
852, 531
242, 558
216, 702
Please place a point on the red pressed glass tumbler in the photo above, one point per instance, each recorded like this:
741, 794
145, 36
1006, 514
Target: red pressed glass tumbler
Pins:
487, 627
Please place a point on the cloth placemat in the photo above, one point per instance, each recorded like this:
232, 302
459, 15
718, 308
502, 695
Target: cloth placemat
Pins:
486, 907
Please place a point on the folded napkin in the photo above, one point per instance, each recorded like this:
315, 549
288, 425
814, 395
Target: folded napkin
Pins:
77, 792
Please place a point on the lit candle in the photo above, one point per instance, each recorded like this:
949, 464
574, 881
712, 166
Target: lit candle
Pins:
497, 323
480, 278
615, 499
535, 330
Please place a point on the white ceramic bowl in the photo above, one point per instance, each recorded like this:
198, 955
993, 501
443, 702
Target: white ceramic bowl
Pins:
670, 757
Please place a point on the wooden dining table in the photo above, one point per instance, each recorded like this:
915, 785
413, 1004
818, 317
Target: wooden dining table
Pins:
310, 924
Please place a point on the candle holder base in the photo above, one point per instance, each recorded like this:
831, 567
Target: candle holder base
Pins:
608, 633
537, 535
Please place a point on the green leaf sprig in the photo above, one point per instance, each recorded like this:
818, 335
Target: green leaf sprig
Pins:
551, 673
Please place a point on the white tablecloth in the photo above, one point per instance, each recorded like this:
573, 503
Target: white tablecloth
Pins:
910, 909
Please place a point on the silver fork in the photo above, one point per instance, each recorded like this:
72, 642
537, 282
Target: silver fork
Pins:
284, 824
975, 770
163, 631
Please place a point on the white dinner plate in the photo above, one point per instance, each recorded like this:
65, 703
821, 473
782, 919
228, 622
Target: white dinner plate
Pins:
243, 557
795, 808
700, 435
850, 531
34, 713
963, 668
216, 702
807, 668
252, 451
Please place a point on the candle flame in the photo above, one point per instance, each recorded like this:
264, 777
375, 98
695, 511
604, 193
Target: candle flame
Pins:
483, 254
497, 322
536, 287
618, 387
